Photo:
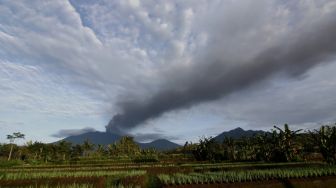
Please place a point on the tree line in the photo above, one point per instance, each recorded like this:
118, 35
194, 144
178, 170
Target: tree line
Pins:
64, 151
278, 145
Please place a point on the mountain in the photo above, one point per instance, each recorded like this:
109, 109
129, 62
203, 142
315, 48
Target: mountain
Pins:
237, 133
105, 138
160, 144
97, 137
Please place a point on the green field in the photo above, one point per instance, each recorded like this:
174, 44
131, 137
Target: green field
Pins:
160, 174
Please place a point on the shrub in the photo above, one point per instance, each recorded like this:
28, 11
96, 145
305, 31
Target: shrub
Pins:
146, 159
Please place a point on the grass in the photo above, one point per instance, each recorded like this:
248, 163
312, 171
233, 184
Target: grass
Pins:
9, 164
245, 176
157, 174
75, 185
38, 175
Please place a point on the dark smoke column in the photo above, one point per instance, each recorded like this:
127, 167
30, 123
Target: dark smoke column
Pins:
303, 49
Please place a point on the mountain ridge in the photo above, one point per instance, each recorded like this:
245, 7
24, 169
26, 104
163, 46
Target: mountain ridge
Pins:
105, 138
237, 133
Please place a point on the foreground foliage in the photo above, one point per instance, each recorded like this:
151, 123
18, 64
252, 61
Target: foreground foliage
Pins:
51, 174
326, 140
244, 176
279, 145
155, 174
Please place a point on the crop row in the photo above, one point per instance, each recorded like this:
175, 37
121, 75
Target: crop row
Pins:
64, 186
243, 176
254, 167
62, 166
40, 175
249, 164
75, 185
201, 168
83, 168
107, 166
234, 163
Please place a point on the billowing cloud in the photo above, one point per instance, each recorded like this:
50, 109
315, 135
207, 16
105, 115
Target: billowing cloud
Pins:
302, 48
304, 103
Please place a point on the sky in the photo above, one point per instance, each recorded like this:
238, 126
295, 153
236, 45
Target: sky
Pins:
172, 69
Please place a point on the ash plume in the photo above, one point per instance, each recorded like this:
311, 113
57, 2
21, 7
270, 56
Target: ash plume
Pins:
307, 46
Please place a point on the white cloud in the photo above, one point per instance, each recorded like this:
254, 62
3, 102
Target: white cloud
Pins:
134, 3
30, 88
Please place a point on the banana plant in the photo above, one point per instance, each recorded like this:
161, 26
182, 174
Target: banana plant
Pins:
325, 138
286, 138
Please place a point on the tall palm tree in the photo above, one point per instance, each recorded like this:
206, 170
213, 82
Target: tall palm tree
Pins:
11, 139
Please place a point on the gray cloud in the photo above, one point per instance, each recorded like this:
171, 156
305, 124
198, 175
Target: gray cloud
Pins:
72, 132
302, 48
305, 103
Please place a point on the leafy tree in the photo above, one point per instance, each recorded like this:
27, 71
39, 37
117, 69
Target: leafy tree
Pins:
325, 138
64, 148
127, 146
229, 148
264, 146
12, 138
46, 152
101, 151
112, 149
76, 151
147, 155
286, 141
87, 147
208, 149
246, 149
35, 149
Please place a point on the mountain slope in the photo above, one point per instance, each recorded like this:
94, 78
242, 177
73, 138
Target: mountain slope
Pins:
105, 138
237, 133
160, 144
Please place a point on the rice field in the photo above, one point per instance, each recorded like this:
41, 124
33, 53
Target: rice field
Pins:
68, 174
119, 174
245, 176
